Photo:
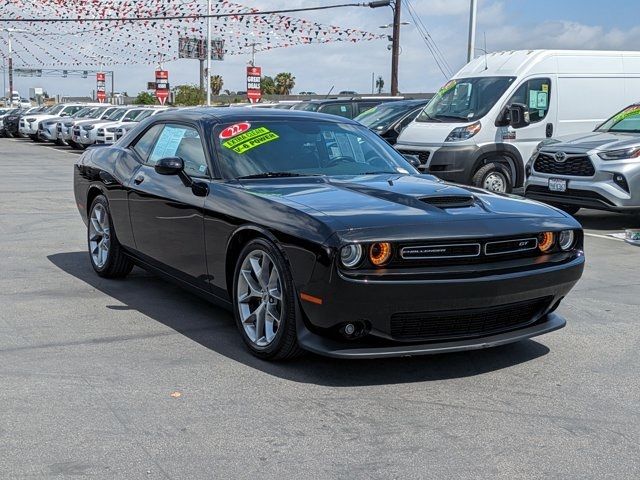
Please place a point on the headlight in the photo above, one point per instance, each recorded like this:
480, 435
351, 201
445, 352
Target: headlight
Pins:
89, 127
111, 129
31, 120
351, 255
463, 133
546, 241
566, 239
68, 124
380, 253
620, 154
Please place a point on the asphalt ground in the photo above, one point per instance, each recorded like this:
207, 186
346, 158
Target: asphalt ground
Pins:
139, 379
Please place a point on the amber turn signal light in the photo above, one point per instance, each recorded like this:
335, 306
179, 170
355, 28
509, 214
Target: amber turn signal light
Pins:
546, 241
380, 253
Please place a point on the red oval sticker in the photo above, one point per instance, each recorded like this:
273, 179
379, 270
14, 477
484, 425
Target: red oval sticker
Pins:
234, 130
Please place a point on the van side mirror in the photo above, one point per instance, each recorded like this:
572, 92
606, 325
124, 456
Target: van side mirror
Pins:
519, 114
413, 160
504, 119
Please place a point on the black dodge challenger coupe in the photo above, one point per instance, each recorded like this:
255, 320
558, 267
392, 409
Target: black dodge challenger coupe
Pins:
320, 236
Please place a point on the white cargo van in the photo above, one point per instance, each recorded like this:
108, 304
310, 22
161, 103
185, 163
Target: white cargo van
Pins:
483, 125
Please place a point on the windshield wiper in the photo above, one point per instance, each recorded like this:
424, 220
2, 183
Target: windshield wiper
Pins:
457, 117
380, 173
430, 117
278, 174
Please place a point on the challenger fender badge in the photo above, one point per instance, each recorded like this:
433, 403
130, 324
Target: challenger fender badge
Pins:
235, 129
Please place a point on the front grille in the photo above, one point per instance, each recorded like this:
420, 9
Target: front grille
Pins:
450, 201
422, 155
570, 194
473, 322
576, 166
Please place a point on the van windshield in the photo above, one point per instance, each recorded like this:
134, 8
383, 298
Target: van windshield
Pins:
625, 121
465, 99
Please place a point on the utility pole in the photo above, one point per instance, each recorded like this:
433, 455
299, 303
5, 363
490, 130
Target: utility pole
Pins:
395, 46
201, 61
472, 30
208, 52
10, 71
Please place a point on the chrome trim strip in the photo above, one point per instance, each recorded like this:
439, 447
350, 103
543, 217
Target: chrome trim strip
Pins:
512, 251
477, 245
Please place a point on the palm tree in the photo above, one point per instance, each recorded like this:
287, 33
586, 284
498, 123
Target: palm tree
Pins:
379, 84
284, 83
216, 84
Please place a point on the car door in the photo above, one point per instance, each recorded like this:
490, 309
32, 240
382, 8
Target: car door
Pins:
166, 215
536, 94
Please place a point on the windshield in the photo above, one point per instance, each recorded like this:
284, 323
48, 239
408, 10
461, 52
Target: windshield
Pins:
55, 110
309, 107
95, 112
133, 114
625, 121
117, 114
144, 114
304, 147
465, 99
81, 113
381, 116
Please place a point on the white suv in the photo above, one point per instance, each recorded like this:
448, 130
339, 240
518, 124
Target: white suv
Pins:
30, 127
111, 133
65, 125
86, 133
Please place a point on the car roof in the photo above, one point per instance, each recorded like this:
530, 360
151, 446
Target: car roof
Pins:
357, 100
239, 114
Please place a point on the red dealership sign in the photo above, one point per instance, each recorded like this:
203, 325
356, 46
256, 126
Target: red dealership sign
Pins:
101, 90
254, 93
162, 86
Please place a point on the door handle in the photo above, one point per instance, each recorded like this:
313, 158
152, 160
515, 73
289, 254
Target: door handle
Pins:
138, 180
549, 130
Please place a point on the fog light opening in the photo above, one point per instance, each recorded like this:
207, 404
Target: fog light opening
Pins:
353, 330
621, 182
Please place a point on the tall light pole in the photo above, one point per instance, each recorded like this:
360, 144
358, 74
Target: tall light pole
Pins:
395, 47
208, 52
472, 30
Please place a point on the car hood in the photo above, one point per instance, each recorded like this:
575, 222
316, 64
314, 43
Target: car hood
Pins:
584, 142
420, 133
401, 206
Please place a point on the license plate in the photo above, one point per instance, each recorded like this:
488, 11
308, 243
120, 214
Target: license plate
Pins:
557, 185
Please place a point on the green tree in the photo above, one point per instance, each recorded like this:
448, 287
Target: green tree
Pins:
285, 82
267, 85
145, 98
380, 84
216, 84
188, 95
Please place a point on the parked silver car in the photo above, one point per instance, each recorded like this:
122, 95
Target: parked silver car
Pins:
599, 170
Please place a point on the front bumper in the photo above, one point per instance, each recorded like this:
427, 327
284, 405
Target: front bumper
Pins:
462, 296
49, 133
449, 162
84, 137
332, 348
598, 191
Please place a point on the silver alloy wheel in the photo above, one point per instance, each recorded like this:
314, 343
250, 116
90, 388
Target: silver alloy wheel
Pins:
259, 297
99, 235
495, 182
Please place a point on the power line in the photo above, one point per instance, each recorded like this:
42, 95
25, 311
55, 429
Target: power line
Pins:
196, 16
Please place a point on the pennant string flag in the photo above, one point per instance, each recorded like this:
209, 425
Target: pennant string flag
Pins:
75, 44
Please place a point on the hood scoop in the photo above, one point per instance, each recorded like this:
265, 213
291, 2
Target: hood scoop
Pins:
450, 201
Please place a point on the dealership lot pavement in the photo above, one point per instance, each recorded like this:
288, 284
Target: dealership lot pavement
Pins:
138, 379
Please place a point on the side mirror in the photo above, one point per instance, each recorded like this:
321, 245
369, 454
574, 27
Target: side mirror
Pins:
413, 160
504, 119
63, 114
169, 166
519, 114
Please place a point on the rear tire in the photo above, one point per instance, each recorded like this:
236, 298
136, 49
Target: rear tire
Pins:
493, 177
105, 252
35, 138
264, 302
60, 142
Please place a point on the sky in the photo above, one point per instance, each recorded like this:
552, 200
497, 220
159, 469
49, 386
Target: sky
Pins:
506, 24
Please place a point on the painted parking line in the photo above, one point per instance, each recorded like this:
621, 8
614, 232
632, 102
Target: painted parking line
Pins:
607, 237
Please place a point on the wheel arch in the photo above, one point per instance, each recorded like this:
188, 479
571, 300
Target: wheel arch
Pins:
502, 153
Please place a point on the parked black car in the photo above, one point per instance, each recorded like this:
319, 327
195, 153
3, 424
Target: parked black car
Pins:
5, 115
389, 119
343, 107
320, 236
12, 122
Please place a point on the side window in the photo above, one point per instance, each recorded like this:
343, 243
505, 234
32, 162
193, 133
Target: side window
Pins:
183, 142
535, 94
143, 145
340, 109
363, 107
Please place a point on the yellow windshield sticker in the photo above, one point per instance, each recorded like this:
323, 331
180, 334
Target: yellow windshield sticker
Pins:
626, 113
251, 139
448, 86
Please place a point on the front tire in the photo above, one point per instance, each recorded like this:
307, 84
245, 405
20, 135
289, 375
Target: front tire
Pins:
264, 302
493, 177
105, 252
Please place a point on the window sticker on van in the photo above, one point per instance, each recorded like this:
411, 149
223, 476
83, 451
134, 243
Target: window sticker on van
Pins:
544, 87
538, 100
250, 140
450, 85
